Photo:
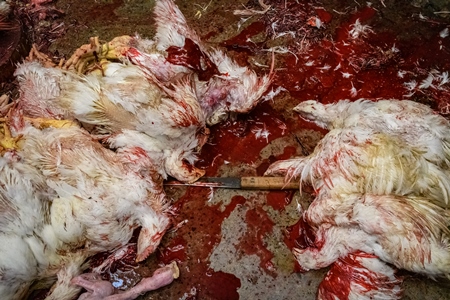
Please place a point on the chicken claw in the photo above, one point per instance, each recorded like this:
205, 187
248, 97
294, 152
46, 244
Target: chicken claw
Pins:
95, 53
36, 55
99, 289
7, 142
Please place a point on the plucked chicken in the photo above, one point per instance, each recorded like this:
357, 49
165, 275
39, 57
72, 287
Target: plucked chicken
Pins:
89, 198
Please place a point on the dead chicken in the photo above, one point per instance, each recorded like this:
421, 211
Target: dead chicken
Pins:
360, 160
385, 147
377, 192
24, 227
126, 106
221, 85
160, 102
408, 232
414, 123
93, 202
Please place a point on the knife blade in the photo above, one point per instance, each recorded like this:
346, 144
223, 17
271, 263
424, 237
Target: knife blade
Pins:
247, 183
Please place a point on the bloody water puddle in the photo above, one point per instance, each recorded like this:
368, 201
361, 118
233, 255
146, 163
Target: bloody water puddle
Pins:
259, 225
375, 64
192, 244
241, 140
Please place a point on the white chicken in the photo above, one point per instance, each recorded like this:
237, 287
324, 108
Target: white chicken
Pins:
157, 104
231, 89
356, 160
24, 213
379, 191
93, 204
414, 123
221, 85
408, 232
123, 103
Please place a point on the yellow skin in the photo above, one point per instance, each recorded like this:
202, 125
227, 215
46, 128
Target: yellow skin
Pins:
45, 123
8, 142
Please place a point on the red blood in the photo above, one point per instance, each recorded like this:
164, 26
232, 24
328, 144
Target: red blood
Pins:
279, 199
192, 57
306, 237
259, 225
301, 235
191, 246
174, 251
362, 15
323, 15
289, 152
236, 142
243, 39
349, 270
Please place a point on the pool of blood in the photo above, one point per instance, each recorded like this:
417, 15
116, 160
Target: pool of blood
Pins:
191, 245
259, 225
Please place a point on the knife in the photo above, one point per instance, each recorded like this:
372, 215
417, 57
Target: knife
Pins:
247, 183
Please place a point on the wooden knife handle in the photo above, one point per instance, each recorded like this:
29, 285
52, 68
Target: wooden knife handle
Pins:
268, 183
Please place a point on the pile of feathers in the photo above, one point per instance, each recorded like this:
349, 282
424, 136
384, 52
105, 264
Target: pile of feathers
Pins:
381, 177
87, 144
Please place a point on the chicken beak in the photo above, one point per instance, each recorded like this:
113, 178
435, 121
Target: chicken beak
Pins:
147, 243
185, 172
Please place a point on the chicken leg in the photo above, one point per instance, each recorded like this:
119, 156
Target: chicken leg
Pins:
98, 289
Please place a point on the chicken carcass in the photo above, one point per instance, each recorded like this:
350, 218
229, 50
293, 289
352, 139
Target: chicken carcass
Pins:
221, 85
94, 202
360, 160
414, 123
123, 103
228, 87
408, 232
378, 193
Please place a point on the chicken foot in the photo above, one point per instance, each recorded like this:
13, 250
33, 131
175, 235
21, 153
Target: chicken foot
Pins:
7, 142
97, 53
98, 289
